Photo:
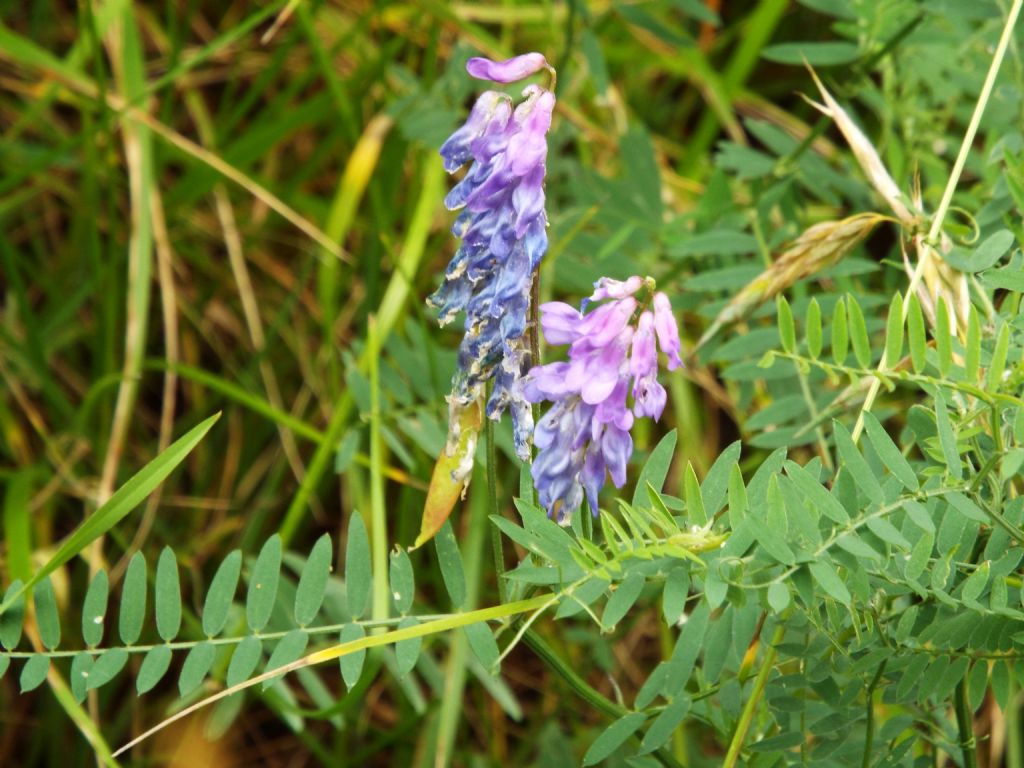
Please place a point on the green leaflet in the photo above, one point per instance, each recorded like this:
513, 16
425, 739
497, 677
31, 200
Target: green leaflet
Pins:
244, 660
133, 600
407, 652
352, 664
309, 595
613, 737
196, 667
484, 646
167, 596
449, 559
94, 609
154, 667
221, 593
403, 585
106, 667
263, 583
357, 566
47, 618
33, 673
288, 649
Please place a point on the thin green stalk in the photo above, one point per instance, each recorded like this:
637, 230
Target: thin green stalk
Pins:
965, 726
947, 196
452, 705
747, 715
1014, 747
378, 520
869, 739
492, 509
805, 389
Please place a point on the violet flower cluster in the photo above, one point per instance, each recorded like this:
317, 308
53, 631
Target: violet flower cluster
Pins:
613, 357
502, 225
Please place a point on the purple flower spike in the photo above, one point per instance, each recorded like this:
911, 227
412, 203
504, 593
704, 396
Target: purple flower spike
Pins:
585, 437
503, 228
507, 71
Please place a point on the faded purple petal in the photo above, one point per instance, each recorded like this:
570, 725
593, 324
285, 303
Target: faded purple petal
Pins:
617, 447
490, 115
507, 71
593, 475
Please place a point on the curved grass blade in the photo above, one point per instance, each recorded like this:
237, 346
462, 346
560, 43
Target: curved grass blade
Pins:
124, 500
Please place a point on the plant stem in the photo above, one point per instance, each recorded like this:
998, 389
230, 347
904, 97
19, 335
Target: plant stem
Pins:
869, 739
450, 714
747, 715
378, 520
965, 726
1014, 751
492, 509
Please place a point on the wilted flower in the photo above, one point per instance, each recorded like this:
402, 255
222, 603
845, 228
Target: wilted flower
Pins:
502, 225
585, 435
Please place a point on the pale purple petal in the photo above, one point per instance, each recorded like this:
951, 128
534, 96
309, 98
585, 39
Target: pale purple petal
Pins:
607, 321
507, 71
643, 357
560, 322
606, 288
667, 330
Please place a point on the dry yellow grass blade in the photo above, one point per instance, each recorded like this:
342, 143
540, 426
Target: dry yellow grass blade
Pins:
444, 624
819, 247
932, 276
866, 155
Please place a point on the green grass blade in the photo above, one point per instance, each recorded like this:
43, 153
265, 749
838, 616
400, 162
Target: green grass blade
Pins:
124, 500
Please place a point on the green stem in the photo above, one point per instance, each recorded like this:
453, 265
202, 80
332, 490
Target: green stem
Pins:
747, 715
1014, 748
450, 714
492, 509
378, 520
965, 726
869, 739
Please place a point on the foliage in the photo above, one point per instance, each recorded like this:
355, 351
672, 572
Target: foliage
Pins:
817, 562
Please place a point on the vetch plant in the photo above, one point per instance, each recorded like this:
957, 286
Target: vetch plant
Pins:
811, 545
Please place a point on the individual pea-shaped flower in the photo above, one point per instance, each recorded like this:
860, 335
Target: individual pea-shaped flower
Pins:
613, 353
502, 225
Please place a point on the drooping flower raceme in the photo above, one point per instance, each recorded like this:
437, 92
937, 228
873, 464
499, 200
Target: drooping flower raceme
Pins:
613, 358
502, 225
